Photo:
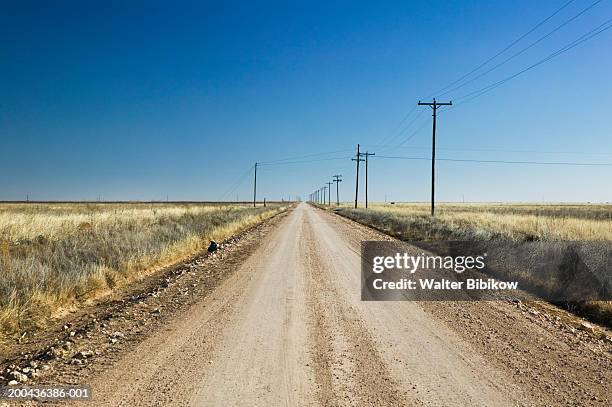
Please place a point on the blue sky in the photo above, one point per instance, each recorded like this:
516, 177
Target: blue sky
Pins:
152, 99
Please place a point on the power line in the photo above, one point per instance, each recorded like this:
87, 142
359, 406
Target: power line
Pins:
303, 156
478, 93
405, 129
386, 148
303, 161
366, 155
414, 133
583, 38
524, 49
388, 141
586, 164
513, 43
504, 150
398, 130
236, 184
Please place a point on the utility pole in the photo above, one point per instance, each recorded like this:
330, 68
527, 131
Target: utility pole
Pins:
434, 107
255, 187
358, 159
367, 154
329, 193
324, 188
337, 180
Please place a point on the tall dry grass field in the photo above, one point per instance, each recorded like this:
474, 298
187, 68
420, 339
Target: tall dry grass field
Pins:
519, 222
55, 256
486, 221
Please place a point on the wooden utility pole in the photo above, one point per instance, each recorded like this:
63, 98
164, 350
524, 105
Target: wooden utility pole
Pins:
255, 187
329, 184
324, 189
434, 107
367, 154
358, 159
337, 180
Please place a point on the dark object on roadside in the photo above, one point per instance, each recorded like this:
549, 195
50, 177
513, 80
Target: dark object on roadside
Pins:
392, 203
213, 246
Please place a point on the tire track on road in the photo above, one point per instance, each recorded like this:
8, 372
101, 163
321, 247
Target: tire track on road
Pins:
348, 368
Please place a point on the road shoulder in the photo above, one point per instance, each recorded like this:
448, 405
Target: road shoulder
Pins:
89, 341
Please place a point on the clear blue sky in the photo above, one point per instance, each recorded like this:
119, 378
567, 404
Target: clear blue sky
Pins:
143, 100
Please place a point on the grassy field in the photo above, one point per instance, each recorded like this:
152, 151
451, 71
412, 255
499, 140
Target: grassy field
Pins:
518, 222
55, 256
486, 221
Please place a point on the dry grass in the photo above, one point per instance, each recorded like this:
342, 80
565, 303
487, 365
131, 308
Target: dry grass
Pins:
56, 256
486, 221
497, 221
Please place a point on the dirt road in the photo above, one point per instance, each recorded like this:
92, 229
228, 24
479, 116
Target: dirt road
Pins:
288, 328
